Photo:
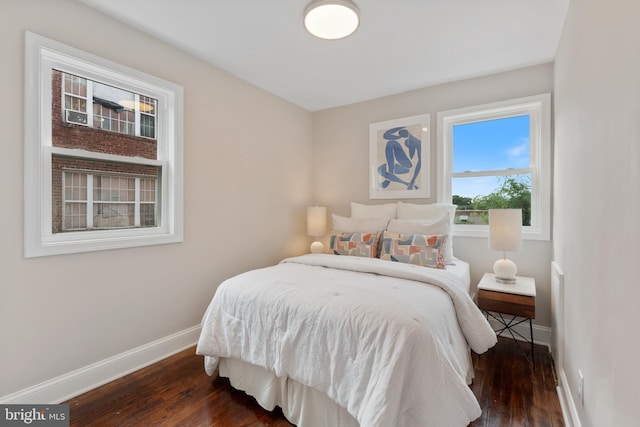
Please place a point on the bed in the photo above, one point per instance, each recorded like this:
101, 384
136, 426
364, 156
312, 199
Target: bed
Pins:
350, 341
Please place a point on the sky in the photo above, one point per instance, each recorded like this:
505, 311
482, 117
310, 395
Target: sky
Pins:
488, 145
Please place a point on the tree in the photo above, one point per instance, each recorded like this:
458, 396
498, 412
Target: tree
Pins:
463, 203
514, 193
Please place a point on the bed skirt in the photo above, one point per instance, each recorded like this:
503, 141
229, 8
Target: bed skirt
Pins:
301, 405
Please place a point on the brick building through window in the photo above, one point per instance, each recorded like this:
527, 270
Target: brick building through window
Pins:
89, 193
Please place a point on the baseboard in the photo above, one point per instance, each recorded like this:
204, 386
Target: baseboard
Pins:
541, 334
81, 380
569, 410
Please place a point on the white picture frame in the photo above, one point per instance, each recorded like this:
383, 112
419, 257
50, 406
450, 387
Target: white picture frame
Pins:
399, 158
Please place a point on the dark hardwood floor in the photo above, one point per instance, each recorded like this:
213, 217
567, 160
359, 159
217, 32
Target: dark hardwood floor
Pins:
510, 393
177, 392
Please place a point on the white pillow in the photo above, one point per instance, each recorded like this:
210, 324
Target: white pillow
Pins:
433, 211
386, 210
358, 225
420, 226
440, 226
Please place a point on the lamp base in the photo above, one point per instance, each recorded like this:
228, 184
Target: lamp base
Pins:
505, 281
317, 247
505, 271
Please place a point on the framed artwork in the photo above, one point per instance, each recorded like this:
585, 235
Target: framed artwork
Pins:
399, 158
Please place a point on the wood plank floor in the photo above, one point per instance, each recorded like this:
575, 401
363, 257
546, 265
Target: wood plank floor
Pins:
177, 392
510, 393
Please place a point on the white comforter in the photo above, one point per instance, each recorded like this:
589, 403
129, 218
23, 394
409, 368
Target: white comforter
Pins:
382, 339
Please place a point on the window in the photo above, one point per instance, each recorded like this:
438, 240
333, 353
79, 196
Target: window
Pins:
107, 201
109, 108
497, 156
103, 153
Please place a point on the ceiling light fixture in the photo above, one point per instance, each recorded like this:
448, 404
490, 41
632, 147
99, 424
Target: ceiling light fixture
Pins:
331, 19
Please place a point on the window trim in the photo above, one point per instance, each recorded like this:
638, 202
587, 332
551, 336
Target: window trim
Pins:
538, 107
41, 56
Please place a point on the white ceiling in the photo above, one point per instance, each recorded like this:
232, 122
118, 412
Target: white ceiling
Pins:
400, 45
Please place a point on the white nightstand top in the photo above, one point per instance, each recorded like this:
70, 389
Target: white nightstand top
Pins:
523, 286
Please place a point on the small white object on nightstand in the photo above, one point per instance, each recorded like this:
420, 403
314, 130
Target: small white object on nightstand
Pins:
505, 235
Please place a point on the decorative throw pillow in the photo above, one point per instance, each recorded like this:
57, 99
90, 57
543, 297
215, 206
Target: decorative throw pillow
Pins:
429, 227
432, 212
416, 249
363, 244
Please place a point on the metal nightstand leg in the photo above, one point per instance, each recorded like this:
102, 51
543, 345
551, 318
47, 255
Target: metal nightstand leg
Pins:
508, 325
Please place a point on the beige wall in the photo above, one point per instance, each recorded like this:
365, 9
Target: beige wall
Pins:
597, 200
247, 180
341, 159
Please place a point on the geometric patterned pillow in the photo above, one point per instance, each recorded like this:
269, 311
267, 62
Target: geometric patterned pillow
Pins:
363, 244
416, 249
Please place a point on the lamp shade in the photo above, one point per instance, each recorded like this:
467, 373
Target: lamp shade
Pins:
505, 230
331, 19
316, 221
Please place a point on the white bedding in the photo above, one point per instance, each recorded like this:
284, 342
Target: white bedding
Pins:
384, 340
461, 269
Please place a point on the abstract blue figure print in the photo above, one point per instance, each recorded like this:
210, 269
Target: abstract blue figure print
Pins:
402, 159
397, 153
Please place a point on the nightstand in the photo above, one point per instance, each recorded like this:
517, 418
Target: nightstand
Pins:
517, 300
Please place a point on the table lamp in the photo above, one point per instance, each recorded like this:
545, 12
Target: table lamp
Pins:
316, 226
505, 235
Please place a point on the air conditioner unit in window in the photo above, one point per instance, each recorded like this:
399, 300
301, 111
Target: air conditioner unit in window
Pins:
77, 117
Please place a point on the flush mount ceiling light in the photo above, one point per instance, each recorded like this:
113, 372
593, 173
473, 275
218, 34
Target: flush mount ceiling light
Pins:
331, 19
